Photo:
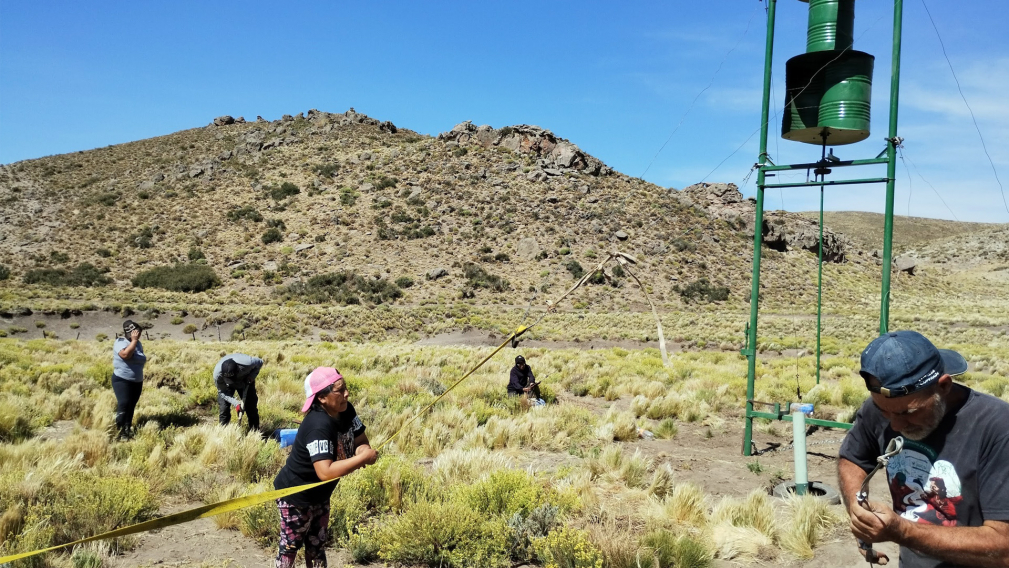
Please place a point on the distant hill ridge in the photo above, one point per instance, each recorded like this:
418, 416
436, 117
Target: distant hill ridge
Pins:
270, 204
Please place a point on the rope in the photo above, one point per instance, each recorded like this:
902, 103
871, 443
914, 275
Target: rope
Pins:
960, 90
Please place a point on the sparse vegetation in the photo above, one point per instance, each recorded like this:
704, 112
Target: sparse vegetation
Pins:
84, 274
271, 235
342, 288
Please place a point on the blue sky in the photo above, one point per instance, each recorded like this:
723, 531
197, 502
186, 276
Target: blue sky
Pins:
615, 78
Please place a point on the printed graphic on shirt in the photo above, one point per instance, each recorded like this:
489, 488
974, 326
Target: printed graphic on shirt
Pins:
318, 447
924, 489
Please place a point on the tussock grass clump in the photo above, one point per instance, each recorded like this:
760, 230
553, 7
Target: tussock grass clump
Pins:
677, 551
467, 466
383, 488
808, 518
192, 277
341, 288
686, 504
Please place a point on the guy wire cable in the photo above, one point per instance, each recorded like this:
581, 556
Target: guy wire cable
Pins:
711, 82
971, 111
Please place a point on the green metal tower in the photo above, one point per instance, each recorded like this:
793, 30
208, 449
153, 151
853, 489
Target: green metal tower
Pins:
827, 104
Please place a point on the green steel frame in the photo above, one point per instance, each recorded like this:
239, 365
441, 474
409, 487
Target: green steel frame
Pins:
764, 166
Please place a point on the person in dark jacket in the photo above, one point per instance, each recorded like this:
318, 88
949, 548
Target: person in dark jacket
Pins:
128, 360
235, 376
522, 382
330, 444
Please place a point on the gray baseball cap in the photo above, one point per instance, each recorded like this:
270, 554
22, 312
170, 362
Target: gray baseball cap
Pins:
905, 362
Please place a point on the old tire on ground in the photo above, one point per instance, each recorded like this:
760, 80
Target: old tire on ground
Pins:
821, 490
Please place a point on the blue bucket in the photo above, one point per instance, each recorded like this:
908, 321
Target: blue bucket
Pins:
286, 436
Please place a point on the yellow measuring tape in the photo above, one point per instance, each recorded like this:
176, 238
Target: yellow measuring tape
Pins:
248, 500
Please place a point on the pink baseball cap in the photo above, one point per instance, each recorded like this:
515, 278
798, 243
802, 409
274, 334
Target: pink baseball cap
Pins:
317, 380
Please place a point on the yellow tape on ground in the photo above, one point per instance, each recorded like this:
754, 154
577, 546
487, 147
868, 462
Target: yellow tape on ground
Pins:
248, 500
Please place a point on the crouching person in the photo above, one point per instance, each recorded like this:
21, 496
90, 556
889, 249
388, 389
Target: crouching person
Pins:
330, 443
235, 376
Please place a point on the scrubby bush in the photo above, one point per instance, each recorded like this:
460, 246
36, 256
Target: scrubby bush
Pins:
342, 288
404, 281
477, 277
444, 535
504, 492
5, 272
195, 254
104, 252
286, 189
272, 235
326, 170
245, 212
703, 290
386, 182
144, 238
84, 274
178, 278
574, 268
348, 196
525, 530
189, 329
568, 548
59, 257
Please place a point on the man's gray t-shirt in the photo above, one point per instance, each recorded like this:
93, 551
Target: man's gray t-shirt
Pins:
248, 366
956, 477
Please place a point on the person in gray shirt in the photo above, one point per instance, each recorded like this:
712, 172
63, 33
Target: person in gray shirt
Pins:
128, 362
235, 374
949, 506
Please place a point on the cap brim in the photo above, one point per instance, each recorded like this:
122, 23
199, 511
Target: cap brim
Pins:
308, 404
953, 363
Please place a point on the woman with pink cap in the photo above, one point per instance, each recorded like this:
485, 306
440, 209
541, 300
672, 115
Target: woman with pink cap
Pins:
330, 443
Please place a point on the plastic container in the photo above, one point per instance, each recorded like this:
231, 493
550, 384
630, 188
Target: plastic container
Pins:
803, 407
286, 436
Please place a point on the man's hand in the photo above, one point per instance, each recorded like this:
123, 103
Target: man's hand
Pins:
875, 522
135, 335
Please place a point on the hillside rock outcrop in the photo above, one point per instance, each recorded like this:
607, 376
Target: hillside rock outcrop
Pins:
554, 153
781, 231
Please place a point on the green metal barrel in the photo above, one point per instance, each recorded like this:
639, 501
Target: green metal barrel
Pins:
844, 107
831, 25
827, 92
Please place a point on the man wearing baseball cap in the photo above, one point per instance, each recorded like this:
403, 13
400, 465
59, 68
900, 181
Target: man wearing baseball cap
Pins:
235, 374
330, 443
522, 382
954, 438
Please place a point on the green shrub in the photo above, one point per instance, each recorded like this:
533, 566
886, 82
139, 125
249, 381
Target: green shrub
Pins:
189, 329
703, 290
276, 224
272, 235
386, 182
386, 487
444, 535
261, 523
504, 492
104, 252
286, 189
195, 254
574, 268
59, 257
144, 238
326, 170
245, 212
348, 196
5, 272
568, 548
341, 288
84, 274
525, 530
178, 278
477, 277
404, 281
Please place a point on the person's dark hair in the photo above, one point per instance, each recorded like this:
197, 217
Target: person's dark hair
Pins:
316, 405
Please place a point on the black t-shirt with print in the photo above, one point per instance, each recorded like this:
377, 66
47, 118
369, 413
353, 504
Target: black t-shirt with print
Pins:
319, 437
956, 477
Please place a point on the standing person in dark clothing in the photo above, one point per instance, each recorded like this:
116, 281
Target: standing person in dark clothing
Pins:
522, 382
330, 443
128, 362
236, 374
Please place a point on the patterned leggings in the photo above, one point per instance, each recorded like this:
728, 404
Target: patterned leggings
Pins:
302, 525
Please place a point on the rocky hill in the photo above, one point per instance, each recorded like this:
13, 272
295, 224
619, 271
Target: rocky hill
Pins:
478, 213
